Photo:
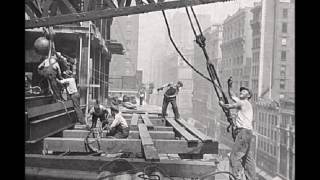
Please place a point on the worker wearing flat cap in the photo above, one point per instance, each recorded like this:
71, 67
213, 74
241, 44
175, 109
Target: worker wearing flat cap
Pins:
119, 127
242, 160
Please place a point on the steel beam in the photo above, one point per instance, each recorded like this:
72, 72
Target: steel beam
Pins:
113, 12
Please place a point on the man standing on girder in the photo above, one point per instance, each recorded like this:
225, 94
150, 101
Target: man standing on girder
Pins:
170, 96
241, 157
73, 93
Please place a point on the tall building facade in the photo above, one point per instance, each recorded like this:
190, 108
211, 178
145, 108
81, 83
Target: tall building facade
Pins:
273, 53
236, 58
123, 68
205, 101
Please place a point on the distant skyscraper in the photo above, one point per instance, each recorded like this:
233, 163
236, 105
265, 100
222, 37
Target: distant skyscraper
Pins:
274, 49
126, 31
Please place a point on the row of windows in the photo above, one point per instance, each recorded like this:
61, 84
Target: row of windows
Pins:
237, 72
268, 119
254, 84
271, 133
255, 70
233, 31
256, 43
255, 57
267, 147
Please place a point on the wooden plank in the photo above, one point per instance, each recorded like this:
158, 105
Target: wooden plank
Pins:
49, 173
147, 121
114, 12
150, 152
45, 109
134, 120
156, 128
132, 134
132, 128
174, 168
196, 132
128, 145
153, 134
181, 130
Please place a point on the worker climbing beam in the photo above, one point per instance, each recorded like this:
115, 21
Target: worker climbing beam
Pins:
113, 12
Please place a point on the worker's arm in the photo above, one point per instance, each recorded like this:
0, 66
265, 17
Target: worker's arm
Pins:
163, 86
232, 95
62, 81
115, 122
236, 105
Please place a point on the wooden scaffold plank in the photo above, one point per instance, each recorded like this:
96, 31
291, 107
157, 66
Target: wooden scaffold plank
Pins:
150, 152
182, 131
196, 132
134, 120
76, 133
147, 121
111, 146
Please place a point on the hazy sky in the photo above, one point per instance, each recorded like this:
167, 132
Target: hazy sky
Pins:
152, 26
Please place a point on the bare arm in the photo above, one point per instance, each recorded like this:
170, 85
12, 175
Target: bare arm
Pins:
163, 86
232, 95
236, 105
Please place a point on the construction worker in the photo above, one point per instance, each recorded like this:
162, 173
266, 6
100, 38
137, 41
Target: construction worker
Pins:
50, 70
119, 127
170, 96
241, 157
98, 111
73, 93
141, 95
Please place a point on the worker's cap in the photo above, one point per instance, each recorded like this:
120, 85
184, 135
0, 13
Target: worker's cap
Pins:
180, 83
245, 88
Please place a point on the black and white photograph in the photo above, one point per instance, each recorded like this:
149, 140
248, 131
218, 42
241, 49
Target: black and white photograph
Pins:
159, 90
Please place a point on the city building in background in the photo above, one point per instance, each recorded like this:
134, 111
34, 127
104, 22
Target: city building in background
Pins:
204, 100
273, 33
275, 124
123, 68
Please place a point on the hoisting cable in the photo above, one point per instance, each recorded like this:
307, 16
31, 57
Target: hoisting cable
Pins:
175, 46
200, 40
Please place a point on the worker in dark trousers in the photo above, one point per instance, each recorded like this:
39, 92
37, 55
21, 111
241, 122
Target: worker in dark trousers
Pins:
170, 96
141, 95
242, 161
50, 70
73, 94
98, 111
119, 127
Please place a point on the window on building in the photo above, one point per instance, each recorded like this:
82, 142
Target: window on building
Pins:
283, 71
282, 84
275, 135
284, 41
284, 27
283, 55
275, 150
285, 13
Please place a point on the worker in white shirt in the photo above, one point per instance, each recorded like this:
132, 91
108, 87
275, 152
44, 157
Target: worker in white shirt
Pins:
119, 127
73, 94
